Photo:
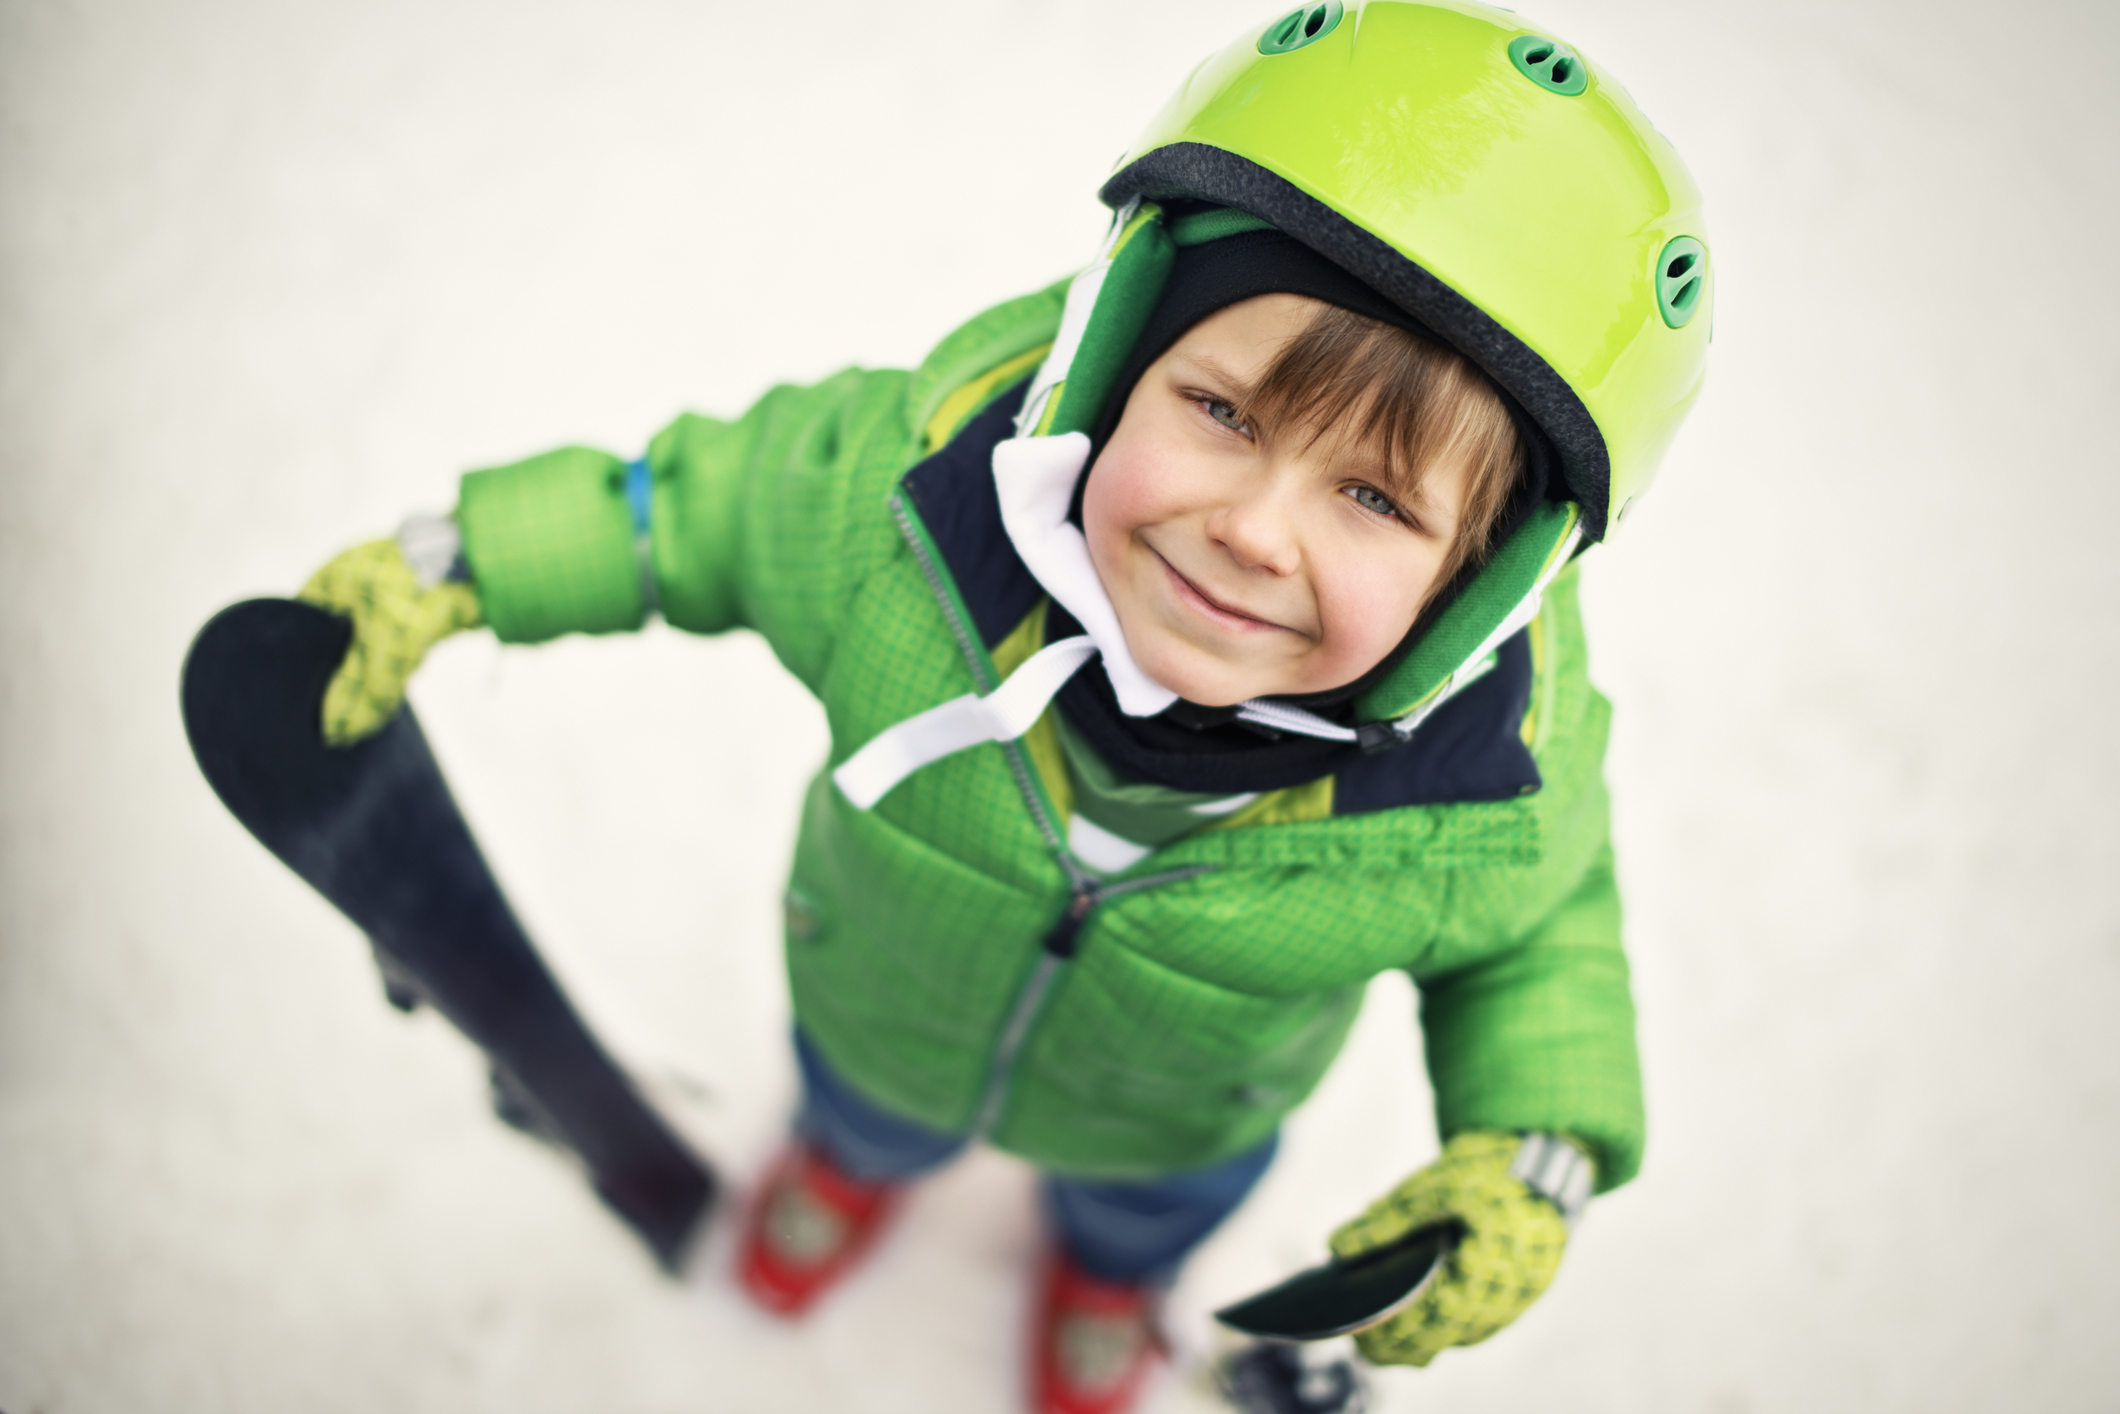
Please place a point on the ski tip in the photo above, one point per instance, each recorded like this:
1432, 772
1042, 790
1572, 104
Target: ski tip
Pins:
252, 695
1340, 1297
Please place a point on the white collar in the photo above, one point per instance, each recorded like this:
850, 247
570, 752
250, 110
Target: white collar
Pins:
1035, 477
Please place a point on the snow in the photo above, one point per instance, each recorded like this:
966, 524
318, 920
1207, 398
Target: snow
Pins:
275, 273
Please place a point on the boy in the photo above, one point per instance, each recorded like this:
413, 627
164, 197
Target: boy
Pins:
1195, 644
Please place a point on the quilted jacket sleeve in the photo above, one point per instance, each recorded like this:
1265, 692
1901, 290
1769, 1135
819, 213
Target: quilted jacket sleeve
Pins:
765, 522
1541, 1036
769, 521
1526, 1014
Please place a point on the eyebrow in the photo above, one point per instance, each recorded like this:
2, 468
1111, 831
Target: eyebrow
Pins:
1214, 368
1414, 497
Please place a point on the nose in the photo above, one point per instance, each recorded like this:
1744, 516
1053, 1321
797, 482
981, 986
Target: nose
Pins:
1257, 528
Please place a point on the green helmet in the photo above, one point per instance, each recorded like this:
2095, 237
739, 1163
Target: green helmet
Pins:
1487, 179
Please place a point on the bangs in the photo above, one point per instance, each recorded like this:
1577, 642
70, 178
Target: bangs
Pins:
1381, 393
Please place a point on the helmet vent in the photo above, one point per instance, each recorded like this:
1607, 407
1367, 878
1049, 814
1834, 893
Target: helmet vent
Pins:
1306, 24
1550, 64
1681, 276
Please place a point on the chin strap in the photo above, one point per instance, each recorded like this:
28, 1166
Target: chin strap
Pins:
1370, 736
1035, 478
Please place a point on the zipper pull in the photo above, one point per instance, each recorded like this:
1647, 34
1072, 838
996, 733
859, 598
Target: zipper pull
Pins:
1060, 942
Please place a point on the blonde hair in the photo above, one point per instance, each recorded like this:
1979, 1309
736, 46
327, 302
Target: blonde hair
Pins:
1408, 400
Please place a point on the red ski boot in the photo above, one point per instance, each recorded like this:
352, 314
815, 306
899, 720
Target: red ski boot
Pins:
807, 1228
1092, 1341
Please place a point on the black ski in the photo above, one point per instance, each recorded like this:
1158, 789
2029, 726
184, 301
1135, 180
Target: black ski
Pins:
1342, 1297
374, 829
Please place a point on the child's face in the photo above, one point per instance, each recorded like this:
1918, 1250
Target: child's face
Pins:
1242, 562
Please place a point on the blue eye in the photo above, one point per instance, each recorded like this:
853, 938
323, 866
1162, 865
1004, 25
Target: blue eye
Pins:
1373, 500
1225, 414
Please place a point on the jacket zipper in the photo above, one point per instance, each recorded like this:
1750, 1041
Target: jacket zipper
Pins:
1085, 890
1061, 941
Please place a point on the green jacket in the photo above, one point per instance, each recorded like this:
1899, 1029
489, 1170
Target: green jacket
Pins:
945, 953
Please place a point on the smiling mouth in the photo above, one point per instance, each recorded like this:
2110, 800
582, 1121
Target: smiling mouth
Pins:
1214, 608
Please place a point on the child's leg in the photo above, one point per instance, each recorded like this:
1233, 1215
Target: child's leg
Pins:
1141, 1230
832, 1191
862, 1140
1093, 1339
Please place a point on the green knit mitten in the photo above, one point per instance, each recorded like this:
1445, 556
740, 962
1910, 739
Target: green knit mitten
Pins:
396, 619
1511, 1248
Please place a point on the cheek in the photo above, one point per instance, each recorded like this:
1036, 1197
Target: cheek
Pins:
1122, 496
1367, 604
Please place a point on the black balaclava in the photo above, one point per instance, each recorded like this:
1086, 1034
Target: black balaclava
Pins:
1195, 748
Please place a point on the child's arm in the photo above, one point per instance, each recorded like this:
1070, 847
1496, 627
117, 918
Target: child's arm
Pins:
1540, 1036
722, 524
1534, 1036
767, 522
1535, 1041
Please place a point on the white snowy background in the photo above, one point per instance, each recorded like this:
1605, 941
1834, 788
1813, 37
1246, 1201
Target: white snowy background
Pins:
273, 274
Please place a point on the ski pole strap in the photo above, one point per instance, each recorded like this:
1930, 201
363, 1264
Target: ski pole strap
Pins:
1003, 715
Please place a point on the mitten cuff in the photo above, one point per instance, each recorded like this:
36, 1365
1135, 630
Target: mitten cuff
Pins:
1557, 1170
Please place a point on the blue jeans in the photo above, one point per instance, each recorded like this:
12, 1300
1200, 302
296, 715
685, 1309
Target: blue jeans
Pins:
1120, 1230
